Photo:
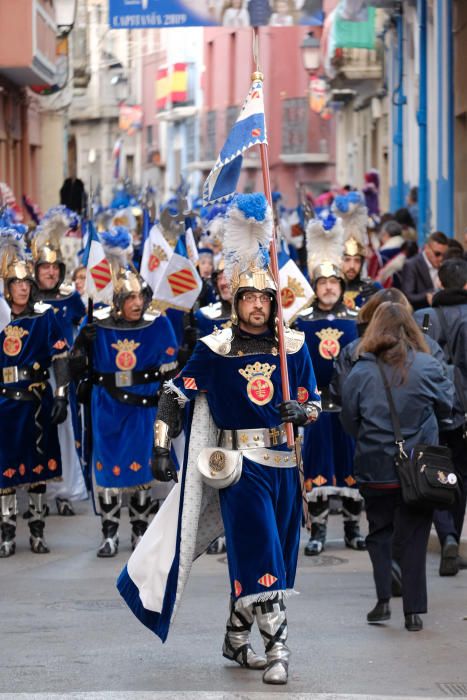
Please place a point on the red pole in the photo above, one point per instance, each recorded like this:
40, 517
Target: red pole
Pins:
275, 271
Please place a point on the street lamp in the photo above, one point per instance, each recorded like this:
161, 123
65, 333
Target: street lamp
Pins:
310, 48
119, 83
65, 15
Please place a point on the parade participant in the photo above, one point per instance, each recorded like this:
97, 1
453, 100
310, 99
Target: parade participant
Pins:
216, 315
49, 272
237, 369
327, 451
128, 352
30, 343
351, 209
206, 268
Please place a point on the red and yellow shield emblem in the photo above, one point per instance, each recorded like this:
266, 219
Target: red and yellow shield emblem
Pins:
260, 389
12, 343
157, 256
288, 297
329, 347
126, 358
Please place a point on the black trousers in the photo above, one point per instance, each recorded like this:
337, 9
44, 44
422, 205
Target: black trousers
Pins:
450, 522
383, 510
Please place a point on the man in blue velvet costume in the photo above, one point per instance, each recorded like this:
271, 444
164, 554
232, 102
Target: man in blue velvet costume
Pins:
30, 343
328, 326
132, 352
238, 370
49, 272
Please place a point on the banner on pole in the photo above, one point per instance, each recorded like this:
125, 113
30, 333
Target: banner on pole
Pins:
159, 14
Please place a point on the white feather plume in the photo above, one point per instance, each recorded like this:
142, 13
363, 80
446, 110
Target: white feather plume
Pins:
354, 220
324, 243
246, 240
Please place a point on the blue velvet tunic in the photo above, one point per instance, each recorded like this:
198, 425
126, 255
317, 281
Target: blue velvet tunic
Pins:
327, 449
262, 511
123, 434
35, 338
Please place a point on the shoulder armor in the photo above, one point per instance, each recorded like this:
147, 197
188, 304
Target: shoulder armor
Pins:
306, 313
293, 340
212, 311
66, 290
41, 307
151, 315
102, 313
219, 341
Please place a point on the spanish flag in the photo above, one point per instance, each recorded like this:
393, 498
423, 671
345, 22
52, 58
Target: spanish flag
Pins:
179, 83
162, 89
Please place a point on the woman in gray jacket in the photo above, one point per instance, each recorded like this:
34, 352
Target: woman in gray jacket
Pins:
423, 396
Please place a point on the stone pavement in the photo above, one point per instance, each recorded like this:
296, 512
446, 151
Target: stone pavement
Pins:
65, 633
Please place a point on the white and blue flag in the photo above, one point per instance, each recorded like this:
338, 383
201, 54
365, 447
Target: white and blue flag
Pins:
249, 130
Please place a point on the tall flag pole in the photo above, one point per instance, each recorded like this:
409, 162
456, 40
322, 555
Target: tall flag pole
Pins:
263, 148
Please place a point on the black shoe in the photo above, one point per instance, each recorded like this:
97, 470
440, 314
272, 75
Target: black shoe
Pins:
396, 580
64, 506
380, 613
449, 564
413, 623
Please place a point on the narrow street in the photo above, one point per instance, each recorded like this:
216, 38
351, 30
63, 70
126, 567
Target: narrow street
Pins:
65, 631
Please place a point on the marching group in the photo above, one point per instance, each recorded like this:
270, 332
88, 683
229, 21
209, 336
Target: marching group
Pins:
112, 392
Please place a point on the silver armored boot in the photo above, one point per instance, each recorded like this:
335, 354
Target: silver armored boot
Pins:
237, 645
8, 512
140, 507
272, 623
36, 523
351, 510
110, 503
319, 512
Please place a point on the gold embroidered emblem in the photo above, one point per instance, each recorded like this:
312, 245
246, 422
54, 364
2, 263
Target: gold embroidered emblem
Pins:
12, 344
126, 358
157, 256
290, 293
329, 347
260, 389
216, 462
349, 299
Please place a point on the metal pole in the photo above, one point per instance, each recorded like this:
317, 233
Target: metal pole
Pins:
257, 75
423, 215
399, 135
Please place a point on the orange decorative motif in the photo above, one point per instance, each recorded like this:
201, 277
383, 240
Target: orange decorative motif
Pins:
22, 469
170, 351
189, 383
38, 469
135, 467
237, 587
350, 481
267, 580
12, 344
116, 470
9, 473
59, 345
52, 465
99, 466
319, 480
126, 358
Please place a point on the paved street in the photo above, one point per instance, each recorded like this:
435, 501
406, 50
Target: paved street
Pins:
65, 630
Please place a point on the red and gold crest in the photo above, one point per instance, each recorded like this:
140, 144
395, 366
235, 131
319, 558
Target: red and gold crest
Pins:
302, 394
126, 358
260, 389
290, 293
349, 299
329, 347
12, 344
157, 256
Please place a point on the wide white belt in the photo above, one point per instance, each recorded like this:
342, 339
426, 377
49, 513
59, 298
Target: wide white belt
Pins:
271, 458
255, 437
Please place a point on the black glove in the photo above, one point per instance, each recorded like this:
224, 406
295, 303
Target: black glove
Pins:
88, 334
59, 410
293, 412
162, 467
